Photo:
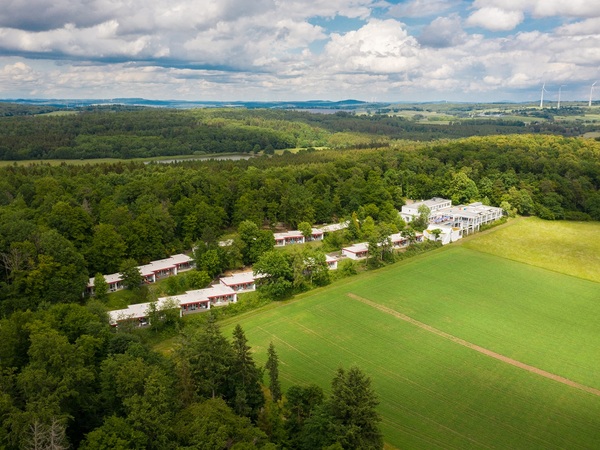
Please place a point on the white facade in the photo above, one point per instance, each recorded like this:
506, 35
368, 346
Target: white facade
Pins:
332, 262
469, 218
240, 282
411, 211
447, 235
356, 251
151, 272
188, 303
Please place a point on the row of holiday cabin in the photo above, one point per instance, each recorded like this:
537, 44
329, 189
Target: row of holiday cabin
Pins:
296, 237
188, 303
361, 250
150, 273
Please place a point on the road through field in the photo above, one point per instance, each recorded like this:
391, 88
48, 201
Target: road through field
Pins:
477, 348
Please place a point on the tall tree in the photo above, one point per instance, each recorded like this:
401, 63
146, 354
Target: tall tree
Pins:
100, 287
352, 406
276, 274
210, 357
132, 278
245, 378
272, 367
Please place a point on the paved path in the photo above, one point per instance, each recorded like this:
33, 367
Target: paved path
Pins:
477, 348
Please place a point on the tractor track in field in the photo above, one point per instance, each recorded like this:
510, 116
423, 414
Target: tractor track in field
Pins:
475, 347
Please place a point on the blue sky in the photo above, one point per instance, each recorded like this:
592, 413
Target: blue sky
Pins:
414, 50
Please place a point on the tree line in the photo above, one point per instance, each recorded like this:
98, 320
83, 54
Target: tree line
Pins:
143, 133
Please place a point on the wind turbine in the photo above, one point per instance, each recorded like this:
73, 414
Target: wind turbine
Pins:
559, 89
542, 96
591, 93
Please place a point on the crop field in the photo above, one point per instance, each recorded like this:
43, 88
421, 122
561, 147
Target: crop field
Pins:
465, 349
572, 248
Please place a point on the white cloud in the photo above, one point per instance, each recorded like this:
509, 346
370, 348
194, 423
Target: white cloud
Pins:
443, 32
380, 46
421, 8
495, 19
544, 8
584, 27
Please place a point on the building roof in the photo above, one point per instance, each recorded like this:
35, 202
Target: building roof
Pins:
357, 248
238, 278
216, 290
288, 234
330, 259
334, 227
397, 237
433, 204
164, 264
112, 278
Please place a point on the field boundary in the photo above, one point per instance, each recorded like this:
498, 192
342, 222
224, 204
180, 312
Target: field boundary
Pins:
475, 347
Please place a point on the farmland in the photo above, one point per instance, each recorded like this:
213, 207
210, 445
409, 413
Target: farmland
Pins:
572, 248
435, 392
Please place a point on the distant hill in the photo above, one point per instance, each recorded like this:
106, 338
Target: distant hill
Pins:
181, 104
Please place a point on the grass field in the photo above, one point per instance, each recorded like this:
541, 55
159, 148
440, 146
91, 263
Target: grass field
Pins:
434, 392
572, 248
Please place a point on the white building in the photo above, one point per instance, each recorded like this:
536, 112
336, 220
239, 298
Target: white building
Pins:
447, 233
151, 272
469, 218
240, 282
411, 211
288, 238
332, 262
356, 251
188, 303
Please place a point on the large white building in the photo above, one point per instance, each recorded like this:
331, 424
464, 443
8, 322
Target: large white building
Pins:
467, 218
411, 211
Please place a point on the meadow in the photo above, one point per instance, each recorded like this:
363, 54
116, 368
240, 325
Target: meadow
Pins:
571, 248
435, 392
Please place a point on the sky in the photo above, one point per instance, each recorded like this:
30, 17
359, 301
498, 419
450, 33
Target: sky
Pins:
269, 50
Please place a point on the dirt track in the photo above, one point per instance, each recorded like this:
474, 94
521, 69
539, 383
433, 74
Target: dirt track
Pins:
477, 348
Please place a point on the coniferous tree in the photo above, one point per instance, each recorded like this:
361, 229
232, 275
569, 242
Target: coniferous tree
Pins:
210, 357
352, 407
272, 367
245, 378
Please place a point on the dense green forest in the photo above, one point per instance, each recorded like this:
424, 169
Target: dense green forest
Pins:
109, 133
60, 225
66, 376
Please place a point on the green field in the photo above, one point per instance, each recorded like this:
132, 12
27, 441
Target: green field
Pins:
434, 392
567, 247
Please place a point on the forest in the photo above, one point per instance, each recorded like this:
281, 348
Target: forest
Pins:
68, 378
127, 132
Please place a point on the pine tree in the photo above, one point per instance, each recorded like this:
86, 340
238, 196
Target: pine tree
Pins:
352, 407
272, 367
245, 379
